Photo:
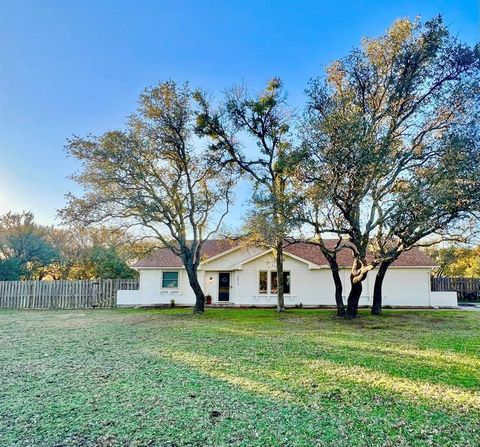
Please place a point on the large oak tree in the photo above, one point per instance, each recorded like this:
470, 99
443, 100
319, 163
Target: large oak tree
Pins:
383, 113
153, 175
439, 198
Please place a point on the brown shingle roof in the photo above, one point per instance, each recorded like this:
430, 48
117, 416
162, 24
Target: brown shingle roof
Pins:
163, 257
411, 258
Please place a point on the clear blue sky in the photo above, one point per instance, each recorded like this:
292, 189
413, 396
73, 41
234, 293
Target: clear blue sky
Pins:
74, 67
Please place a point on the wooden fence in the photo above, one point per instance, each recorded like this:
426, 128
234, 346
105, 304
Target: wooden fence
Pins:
81, 294
468, 289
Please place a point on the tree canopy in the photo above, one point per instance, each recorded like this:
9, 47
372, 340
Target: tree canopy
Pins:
265, 118
24, 248
391, 136
154, 176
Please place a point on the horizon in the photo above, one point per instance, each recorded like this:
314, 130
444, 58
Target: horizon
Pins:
78, 69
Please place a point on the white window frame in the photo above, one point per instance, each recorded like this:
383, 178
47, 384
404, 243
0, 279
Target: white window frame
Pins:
269, 282
178, 280
267, 292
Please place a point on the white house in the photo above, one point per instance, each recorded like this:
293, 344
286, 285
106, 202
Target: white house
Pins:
246, 276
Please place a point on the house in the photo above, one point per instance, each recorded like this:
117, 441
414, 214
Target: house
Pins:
246, 276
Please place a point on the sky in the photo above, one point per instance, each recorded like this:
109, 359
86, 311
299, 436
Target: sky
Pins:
77, 67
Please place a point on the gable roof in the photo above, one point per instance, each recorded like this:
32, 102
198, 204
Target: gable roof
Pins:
269, 251
163, 257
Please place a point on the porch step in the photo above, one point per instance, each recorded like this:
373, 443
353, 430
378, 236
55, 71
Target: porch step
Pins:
224, 304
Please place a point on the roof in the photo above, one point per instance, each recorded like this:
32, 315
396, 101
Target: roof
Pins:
163, 257
411, 258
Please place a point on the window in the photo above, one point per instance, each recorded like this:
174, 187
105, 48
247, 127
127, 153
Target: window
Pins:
263, 282
273, 282
286, 282
170, 280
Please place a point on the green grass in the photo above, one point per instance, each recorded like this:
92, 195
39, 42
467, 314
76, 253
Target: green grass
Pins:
132, 377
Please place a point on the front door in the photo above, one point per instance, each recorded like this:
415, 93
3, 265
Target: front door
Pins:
224, 286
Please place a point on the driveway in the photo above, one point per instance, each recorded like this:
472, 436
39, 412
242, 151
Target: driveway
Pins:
470, 306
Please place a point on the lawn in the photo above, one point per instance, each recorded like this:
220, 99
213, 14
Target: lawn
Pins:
136, 377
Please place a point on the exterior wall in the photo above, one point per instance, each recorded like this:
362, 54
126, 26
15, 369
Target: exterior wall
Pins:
232, 259
402, 286
128, 297
444, 299
408, 287
151, 291
308, 287
211, 285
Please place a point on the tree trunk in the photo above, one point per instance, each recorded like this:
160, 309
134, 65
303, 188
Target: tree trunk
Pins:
377, 288
280, 297
353, 299
197, 289
338, 288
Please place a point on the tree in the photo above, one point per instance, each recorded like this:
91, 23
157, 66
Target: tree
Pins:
330, 254
439, 197
456, 261
382, 114
10, 269
109, 264
93, 252
316, 213
70, 254
153, 175
24, 249
264, 118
